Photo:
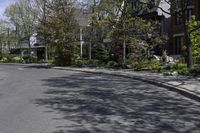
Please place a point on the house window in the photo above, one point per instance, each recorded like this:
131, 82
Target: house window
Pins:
178, 19
135, 4
188, 14
178, 44
190, 3
178, 3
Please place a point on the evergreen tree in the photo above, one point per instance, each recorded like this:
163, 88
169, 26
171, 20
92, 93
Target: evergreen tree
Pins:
60, 28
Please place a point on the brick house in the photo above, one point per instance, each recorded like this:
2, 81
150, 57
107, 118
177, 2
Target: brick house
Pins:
177, 33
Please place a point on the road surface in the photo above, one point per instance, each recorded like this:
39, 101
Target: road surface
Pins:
38, 100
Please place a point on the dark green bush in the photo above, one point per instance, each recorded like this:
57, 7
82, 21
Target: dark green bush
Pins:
91, 63
78, 63
184, 71
179, 66
112, 64
195, 71
26, 58
1, 55
63, 59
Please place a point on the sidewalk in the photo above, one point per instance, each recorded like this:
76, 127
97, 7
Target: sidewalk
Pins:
187, 86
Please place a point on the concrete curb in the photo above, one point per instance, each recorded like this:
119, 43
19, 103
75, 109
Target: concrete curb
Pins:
170, 87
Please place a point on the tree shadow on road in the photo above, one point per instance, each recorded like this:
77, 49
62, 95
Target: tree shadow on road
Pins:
106, 104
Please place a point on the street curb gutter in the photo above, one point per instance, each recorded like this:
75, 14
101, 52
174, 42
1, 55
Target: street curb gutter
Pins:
170, 87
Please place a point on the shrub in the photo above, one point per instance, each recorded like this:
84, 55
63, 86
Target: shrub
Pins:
26, 58
64, 56
16, 59
138, 66
184, 71
195, 71
179, 66
100, 52
4, 59
78, 63
112, 64
91, 63
1, 55
51, 61
169, 67
34, 59
154, 65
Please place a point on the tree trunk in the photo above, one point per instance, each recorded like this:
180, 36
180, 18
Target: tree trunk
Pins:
124, 51
8, 41
189, 47
29, 50
124, 45
90, 50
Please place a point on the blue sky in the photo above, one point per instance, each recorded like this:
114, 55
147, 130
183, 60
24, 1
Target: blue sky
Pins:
3, 5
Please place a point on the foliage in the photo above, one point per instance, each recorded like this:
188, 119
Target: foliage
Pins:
195, 36
87, 63
184, 71
179, 66
59, 29
16, 59
64, 57
1, 55
52, 61
152, 65
112, 64
122, 26
26, 58
23, 15
100, 52
195, 71
92, 63
4, 59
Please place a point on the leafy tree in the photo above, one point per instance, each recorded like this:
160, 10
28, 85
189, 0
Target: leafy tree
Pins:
195, 36
7, 34
23, 15
119, 22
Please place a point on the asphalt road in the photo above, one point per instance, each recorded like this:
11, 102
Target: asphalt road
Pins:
38, 100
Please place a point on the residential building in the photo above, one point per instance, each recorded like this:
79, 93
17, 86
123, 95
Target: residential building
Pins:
177, 31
